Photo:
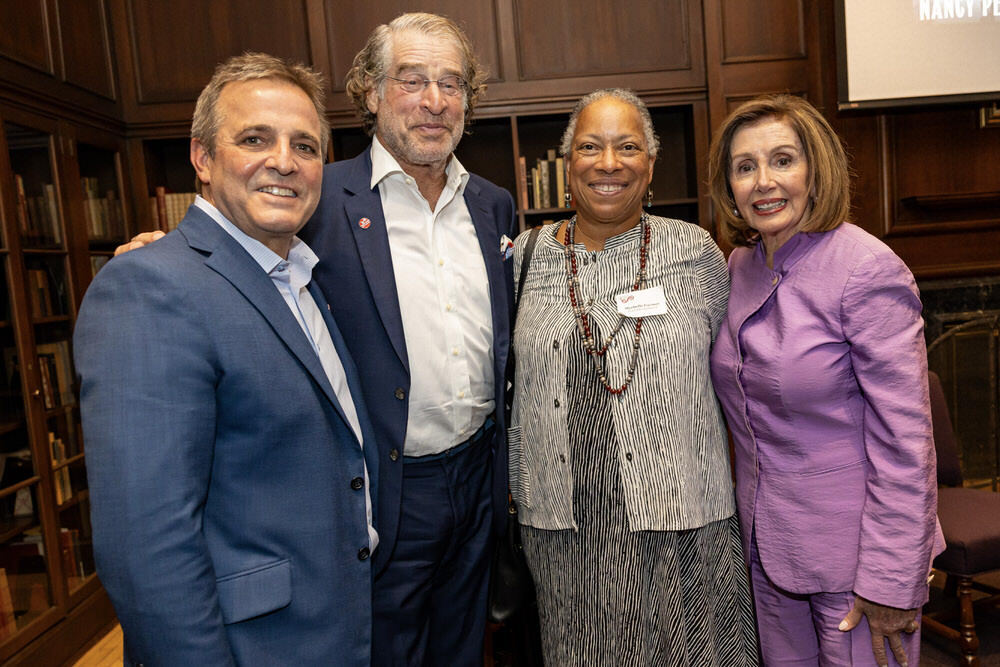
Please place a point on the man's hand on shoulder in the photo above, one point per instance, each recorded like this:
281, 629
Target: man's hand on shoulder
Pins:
138, 241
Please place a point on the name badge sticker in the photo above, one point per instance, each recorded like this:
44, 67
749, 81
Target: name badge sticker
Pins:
649, 301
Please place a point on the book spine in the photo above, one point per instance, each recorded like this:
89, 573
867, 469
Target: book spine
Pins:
545, 177
560, 169
161, 209
522, 181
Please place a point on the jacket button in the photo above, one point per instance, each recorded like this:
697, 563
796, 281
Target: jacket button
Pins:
400, 394
393, 454
363, 553
357, 483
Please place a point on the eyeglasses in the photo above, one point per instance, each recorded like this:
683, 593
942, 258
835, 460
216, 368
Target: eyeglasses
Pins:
450, 85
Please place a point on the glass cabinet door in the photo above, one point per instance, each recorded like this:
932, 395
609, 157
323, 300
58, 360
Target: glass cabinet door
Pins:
103, 208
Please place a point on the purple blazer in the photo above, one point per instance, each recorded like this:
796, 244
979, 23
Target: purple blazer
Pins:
821, 370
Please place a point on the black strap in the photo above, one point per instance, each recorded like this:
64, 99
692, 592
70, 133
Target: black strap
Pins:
525, 262
529, 248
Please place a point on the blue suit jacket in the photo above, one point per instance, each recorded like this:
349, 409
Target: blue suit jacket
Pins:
226, 526
355, 271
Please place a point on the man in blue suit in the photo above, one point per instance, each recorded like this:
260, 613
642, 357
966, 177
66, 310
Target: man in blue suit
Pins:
414, 260
231, 462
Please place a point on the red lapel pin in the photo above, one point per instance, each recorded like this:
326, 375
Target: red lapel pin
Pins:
364, 223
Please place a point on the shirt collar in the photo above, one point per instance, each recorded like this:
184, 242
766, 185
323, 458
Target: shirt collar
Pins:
791, 250
299, 254
384, 165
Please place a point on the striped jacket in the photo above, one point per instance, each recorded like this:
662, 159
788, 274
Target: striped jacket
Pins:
672, 455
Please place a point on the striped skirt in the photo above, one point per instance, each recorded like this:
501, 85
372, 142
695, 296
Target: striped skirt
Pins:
608, 596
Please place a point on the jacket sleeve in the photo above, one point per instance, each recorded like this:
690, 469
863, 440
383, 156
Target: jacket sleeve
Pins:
148, 407
881, 319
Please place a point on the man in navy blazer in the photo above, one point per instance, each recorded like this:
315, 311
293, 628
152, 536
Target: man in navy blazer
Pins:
231, 461
414, 261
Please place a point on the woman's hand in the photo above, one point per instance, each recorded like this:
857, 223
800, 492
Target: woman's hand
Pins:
884, 623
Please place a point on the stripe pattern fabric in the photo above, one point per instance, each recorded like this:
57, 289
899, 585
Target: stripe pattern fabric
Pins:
611, 596
671, 453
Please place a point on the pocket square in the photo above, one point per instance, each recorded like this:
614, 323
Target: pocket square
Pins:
506, 247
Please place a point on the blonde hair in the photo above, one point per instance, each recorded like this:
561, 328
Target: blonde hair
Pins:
829, 175
371, 64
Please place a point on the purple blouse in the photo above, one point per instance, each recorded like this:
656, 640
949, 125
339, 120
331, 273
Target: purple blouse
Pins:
821, 370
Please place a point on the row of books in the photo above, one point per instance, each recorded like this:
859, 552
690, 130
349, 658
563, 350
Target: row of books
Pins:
38, 217
545, 184
46, 292
103, 214
169, 208
56, 369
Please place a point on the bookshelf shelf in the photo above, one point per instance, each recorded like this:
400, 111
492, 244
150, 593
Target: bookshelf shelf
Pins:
14, 526
68, 462
8, 426
52, 319
74, 500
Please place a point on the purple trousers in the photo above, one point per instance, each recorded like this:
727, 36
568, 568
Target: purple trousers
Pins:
802, 630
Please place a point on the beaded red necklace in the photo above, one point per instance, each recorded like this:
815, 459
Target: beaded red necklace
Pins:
583, 320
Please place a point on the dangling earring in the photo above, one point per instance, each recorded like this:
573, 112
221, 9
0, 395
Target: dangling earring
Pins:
568, 198
649, 198
736, 213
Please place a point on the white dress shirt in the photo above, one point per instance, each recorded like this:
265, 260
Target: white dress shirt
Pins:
444, 302
291, 277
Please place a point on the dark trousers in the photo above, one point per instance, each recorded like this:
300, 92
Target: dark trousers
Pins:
430, 600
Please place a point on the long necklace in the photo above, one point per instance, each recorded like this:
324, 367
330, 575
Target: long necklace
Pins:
583, 319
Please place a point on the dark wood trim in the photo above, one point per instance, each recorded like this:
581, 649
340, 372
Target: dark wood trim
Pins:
66, 639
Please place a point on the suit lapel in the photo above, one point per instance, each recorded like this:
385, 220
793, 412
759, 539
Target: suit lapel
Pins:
488, 235
367, 222
230, 260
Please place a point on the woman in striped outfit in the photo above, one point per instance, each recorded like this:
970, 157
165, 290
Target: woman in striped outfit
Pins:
618, 461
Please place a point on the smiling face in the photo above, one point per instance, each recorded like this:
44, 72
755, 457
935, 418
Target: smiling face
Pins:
609, 166
769, 177
267, 169
423, 128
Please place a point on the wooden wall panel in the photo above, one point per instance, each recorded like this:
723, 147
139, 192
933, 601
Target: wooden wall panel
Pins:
944, 161
86, 46
754, 30
176, 45
754, 47
25, 37
349, 22
563, 38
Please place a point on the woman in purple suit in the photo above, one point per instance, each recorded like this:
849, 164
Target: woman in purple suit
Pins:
821, 370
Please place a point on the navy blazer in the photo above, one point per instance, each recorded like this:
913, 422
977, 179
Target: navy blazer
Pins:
226, 526
355, 271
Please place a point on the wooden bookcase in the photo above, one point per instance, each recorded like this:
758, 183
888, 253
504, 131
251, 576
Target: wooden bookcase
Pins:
63, 212
492, 146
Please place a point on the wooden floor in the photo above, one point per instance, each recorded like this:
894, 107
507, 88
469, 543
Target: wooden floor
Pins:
105, 653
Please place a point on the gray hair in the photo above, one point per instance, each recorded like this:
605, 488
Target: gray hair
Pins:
626, 96
372, 62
